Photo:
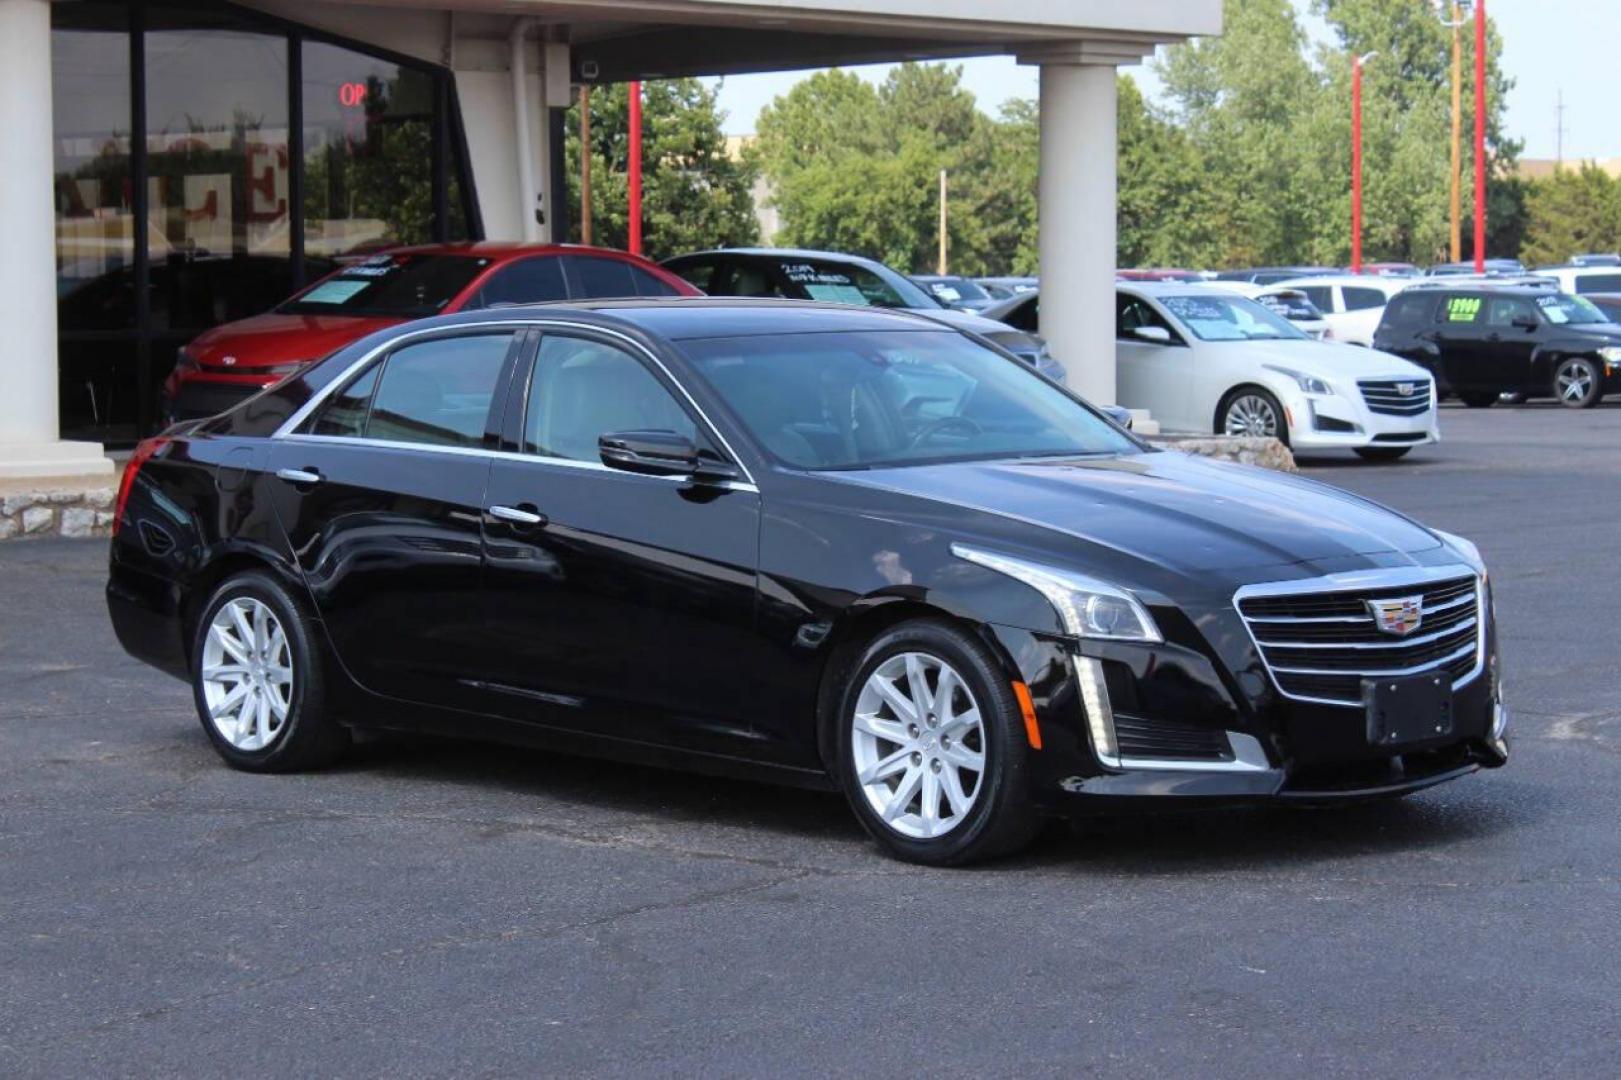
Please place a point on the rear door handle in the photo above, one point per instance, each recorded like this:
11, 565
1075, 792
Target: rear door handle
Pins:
299, 476
517, 515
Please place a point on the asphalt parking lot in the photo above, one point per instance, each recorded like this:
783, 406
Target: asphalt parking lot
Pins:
432, 909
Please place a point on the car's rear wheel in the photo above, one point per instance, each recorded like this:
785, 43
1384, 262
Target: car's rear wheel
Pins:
1577, 383
258, 680
1253, 412
933, 753
1478, 399
1382, 453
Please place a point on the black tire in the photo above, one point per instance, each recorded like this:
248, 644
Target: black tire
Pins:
1382, 453
1001, 819
308, 737
1579, 376
1478, 399
1281, 432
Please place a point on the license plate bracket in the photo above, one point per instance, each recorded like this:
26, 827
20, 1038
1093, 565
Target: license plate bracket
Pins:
1408, 710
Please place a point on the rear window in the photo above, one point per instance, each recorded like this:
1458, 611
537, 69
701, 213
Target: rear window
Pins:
1358, 299
1409, 310
403, 286
1598, 283
1462, 309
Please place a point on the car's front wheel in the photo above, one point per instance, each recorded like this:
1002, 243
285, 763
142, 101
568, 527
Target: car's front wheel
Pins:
1577, 383
933, 752
258, 680
1254, 412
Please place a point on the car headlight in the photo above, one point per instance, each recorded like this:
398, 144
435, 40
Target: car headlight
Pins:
1088, 608
1611, 354
1463, 547
1309, 384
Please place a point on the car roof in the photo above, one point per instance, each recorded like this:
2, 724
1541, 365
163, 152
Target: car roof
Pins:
1185, 288
500, 250
778, 253
1371, 281
687, 318
1509, 287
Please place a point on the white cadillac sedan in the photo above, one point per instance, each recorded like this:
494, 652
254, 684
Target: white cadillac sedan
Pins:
1203, 359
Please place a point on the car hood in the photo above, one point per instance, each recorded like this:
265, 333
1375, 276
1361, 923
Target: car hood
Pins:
1184, 514
1331, 358
1603, 333
276, 338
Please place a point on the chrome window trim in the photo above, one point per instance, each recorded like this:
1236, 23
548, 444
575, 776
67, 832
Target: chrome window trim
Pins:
1367, 581
507, 455
289, 427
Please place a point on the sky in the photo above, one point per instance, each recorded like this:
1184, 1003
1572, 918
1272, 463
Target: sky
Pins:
1549, 46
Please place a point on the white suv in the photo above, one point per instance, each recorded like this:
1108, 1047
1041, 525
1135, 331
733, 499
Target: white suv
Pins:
1352, 304
1202, 359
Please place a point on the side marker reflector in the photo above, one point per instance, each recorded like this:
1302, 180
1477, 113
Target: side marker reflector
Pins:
1028, 708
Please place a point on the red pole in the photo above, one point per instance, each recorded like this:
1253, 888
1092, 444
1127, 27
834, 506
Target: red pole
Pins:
1480, 136
1356, 165
636, 168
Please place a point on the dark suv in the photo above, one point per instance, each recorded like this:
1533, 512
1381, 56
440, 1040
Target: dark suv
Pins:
1484, 340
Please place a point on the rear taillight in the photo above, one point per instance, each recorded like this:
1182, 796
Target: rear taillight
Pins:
144, 450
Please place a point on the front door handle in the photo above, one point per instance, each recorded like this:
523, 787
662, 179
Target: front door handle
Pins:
299, 476
517, 515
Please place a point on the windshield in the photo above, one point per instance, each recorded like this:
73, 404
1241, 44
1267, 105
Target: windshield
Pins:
1563, 310
859, 400
846, 283
1230, 318
954, 289
404, 285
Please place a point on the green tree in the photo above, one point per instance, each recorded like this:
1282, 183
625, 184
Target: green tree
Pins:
1570, 212
854, 167
1166, 213
694, 194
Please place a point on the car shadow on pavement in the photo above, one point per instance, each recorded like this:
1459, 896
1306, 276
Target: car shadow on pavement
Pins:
1182, 843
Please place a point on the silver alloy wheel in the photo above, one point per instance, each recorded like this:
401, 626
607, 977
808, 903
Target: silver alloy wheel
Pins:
247, 673
1251, 414
919, 745
1574, 381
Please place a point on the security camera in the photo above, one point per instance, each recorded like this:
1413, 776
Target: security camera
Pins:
589, 70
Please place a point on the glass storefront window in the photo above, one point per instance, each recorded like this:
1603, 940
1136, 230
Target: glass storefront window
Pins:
98, 384
368, 152
217, 173
222, 234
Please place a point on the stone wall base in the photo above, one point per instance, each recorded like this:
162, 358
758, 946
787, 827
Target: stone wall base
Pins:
1267, 453
80, 507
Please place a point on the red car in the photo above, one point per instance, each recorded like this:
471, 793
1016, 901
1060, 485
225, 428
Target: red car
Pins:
224, 365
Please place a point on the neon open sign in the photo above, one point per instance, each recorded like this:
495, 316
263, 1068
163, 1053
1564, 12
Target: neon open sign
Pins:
352, 95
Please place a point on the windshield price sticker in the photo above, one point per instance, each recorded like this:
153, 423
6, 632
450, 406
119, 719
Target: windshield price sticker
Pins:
333, 292
1463, 309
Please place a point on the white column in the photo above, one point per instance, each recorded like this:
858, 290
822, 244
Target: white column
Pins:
29, 443
1077, 208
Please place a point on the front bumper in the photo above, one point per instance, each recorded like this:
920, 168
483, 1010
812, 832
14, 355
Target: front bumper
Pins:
1345, 422
199, 397
1189, 731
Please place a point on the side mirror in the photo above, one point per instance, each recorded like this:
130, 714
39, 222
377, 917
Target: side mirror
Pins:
1525, 322
1157, 334
651, 453
1119, 414
661, 453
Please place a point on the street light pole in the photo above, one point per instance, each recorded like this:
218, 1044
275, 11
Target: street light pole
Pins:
635, 170
1480, 136
1357, 64
1455, 23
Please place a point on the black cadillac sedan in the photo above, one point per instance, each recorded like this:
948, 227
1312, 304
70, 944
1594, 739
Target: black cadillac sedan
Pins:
838, 547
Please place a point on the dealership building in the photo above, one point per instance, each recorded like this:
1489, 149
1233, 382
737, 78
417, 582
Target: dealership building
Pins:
174, 165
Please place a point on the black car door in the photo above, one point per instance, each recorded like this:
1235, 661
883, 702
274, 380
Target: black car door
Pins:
615, 603
1512, 326
379, 492
1461, 342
